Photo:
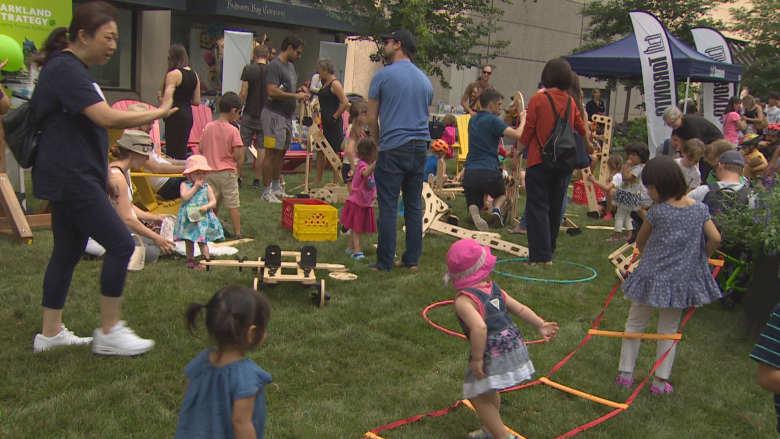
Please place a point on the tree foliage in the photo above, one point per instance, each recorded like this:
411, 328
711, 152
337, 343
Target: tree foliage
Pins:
609, 20
760, 26
449, 32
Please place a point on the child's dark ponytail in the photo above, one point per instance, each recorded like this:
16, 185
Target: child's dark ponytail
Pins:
192, 314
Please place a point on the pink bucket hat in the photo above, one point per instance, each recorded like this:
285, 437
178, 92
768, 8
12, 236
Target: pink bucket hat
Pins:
196, 162
468, 263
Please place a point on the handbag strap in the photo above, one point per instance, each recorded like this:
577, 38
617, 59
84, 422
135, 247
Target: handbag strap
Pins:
555, 110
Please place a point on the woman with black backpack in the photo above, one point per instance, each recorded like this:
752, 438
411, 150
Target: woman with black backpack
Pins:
70, 170
549, 162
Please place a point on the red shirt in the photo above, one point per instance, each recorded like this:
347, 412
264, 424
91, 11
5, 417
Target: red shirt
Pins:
540, 120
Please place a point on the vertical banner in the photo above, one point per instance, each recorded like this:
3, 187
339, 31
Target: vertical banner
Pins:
657, 75
238, 54
715, 95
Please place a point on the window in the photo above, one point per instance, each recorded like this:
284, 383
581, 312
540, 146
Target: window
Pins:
117, 73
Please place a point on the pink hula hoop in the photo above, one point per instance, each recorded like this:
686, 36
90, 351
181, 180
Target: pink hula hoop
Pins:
456, 334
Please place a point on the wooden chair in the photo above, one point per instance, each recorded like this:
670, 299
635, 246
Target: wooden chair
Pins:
145, 197
463, 140
201, 115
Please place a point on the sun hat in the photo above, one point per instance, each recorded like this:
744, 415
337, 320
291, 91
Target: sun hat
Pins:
195, 163
732, 158
749, 140
137, 141
468, 263
404, 37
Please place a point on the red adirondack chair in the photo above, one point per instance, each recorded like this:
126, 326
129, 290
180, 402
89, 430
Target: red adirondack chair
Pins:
155, 133
201, 115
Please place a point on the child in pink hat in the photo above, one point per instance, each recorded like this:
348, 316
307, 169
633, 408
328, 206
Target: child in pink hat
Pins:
499, 358
196, 221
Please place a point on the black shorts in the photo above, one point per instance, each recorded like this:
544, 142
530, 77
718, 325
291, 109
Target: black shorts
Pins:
478, 182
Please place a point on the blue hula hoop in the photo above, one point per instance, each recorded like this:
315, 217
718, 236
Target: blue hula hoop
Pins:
533, 279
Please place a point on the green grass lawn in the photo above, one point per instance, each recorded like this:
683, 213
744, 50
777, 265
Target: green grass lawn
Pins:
368, 357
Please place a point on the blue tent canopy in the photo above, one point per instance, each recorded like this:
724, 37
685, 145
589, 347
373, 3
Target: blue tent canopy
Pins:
621, 59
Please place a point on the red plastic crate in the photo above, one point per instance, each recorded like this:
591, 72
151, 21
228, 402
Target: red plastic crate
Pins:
580, 197
288, 209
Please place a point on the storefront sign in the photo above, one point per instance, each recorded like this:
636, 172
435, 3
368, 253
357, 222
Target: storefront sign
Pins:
272, 11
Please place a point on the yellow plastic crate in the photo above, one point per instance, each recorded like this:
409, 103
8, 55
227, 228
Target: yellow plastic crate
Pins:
315, 222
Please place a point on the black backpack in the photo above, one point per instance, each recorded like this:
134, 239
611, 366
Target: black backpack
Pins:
559, 154
722, 199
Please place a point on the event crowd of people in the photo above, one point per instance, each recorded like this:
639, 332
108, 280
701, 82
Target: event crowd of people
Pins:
386, 150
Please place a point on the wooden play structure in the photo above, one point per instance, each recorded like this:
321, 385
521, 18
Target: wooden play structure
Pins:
441, 186
602, 155
435, 213
147, 199
625, 259
13, 221
272, 270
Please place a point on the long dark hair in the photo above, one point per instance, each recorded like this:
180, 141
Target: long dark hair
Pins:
57, 40
732, 105
177, 57
575, 91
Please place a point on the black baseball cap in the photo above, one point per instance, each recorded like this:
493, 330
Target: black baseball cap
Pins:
732, 158
404, 37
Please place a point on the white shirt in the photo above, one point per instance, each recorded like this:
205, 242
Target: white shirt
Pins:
772, 114
157, 182
692, 175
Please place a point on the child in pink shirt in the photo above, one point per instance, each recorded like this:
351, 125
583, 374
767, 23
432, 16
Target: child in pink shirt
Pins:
222, 145
449, 132
358, 212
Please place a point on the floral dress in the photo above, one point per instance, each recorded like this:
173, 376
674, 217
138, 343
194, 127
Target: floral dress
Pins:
207, 229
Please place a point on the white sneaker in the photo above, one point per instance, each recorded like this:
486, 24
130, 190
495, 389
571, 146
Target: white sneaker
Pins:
280, 193
271, 198
480, 223
120, 341
64, 338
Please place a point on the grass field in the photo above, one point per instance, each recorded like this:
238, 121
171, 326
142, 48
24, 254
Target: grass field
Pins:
368, 358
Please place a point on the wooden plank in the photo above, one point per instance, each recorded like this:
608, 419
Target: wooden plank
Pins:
606, 147
599, 227
590, 190
38, 220
13, 210
232, 243
481, 237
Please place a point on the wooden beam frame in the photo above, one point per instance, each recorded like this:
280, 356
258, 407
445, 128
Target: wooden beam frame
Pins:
13, 222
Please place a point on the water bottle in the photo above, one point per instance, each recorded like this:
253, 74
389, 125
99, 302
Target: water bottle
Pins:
441, 107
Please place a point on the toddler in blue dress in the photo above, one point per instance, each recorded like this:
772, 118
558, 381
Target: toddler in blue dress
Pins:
225, 394
676, 240
196, 221
499, 358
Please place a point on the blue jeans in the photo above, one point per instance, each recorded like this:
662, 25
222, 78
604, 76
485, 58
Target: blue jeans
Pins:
400, 169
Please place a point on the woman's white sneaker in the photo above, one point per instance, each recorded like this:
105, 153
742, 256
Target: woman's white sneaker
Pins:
121, 340
64, 338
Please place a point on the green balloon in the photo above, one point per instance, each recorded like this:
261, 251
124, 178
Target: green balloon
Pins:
11, 49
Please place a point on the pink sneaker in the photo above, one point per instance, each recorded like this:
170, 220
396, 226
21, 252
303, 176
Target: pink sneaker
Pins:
607, 217
627, 383
666, 390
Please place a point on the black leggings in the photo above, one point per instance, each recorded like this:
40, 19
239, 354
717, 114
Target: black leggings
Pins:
72, 222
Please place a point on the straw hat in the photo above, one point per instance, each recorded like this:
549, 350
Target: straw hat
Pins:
196, 163
468, 263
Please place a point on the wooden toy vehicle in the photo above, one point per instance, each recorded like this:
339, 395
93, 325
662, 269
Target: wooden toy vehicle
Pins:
273, 270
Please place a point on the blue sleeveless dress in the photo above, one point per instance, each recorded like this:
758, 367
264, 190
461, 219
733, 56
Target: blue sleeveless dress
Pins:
206, 230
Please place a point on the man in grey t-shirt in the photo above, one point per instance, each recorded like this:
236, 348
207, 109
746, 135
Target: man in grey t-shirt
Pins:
278, 112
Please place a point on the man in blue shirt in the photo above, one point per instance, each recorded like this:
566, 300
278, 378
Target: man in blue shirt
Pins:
482, 173
399, 96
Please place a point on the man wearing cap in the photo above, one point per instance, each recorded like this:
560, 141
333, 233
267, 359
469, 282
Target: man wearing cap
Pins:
400, 96
729, 174
470, 99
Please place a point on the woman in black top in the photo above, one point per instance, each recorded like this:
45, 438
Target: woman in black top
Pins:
70, 171
333, 103
753, 114
186, 92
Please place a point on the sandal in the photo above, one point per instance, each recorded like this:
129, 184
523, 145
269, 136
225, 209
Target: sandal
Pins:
517, 232
627, 383
482, 433
666, 390
412, 268
349, 252
359, 256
